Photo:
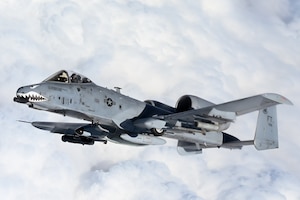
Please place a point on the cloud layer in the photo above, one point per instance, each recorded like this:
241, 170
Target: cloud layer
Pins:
154, 50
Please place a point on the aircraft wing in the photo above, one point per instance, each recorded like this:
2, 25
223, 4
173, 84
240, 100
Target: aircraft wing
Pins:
227, 112
59, 127
87, 134
76, 131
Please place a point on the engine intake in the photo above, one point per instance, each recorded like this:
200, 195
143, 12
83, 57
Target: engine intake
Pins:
160, 105
190, 102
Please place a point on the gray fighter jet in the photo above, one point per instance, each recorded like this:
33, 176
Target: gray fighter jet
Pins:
196, 123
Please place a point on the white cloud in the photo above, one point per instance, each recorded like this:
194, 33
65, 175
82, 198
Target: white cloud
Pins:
154, 50
135, 180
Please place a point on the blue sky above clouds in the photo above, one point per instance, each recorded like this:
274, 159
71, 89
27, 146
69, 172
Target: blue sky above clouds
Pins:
158, 49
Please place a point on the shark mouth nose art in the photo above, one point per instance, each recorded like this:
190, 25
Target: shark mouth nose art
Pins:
29, 97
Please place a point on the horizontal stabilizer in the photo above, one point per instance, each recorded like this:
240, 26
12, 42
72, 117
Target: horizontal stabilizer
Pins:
237, 144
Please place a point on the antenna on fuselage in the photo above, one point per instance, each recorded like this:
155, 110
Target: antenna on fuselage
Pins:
118, 89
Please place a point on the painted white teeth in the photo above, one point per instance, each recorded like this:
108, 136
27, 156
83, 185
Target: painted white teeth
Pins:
32, 96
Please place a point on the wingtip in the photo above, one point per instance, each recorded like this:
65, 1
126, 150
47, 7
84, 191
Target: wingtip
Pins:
278, 98
289, 102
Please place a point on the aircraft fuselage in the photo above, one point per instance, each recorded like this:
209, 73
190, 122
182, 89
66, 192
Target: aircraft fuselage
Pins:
86, 101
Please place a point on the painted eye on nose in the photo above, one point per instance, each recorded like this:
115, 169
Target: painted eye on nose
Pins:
34, 86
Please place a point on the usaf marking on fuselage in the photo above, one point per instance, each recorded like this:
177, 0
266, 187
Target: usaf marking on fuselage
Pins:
196, 123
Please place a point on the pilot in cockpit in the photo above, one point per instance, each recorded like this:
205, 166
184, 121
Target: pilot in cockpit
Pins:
75, 78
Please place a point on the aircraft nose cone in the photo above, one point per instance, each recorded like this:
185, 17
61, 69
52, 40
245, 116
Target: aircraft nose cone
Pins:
20, 90
29, 94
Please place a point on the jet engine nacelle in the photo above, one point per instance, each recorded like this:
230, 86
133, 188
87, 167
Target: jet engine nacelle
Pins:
190, 102
160, 105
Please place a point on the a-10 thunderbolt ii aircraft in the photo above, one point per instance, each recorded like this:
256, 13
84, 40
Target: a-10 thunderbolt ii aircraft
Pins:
196, 123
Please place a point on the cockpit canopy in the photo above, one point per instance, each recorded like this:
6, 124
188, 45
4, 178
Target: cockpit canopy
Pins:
64, 76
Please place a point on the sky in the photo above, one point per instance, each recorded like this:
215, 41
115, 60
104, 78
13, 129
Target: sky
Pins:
152, 49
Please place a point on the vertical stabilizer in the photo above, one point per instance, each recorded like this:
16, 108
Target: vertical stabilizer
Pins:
266, 135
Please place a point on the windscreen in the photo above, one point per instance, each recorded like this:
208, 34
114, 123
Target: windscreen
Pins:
68, 77
61, 76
